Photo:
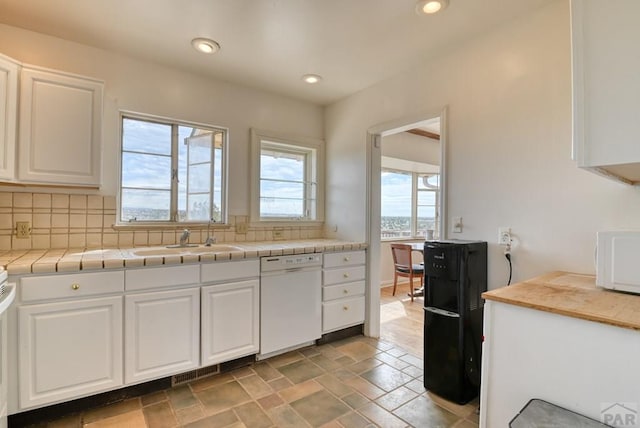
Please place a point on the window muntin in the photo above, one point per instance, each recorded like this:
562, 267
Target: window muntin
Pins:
171, 171
288, 185
409, 204
287, 182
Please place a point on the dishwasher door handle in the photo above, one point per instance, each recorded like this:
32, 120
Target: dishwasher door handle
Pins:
298, 269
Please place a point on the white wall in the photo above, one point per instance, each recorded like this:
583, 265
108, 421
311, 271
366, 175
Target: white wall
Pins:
154, 89
509, 148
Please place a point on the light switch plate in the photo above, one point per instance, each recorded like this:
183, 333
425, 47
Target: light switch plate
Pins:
456, 224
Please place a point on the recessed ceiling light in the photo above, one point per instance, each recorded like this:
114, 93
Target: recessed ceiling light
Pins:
431, 6
311, 78
203, 45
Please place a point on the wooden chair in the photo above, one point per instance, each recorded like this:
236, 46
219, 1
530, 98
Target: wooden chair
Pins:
404, 266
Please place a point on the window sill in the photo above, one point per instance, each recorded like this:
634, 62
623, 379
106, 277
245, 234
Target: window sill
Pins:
140, 225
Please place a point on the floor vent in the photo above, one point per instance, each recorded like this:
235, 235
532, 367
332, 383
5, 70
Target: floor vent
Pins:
194, 375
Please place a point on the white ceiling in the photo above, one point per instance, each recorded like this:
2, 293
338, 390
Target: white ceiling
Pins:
270, 44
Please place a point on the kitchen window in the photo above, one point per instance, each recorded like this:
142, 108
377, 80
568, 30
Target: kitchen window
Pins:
287, 178
171, 171
409, 204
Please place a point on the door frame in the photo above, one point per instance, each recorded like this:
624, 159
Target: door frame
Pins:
374, 168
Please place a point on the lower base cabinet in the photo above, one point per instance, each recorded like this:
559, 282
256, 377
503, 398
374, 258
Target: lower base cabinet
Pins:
162, 333
69, 349
230, 321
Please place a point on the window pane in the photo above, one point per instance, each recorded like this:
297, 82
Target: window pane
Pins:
146, 171
275, 207
194, 173
198, 208
278, 189
200, 178
426, 197
217, 184
281, 166
145, 205
147, 137
428, 181
395, 204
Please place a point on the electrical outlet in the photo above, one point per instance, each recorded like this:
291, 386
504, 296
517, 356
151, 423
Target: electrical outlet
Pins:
504, 235
456, 224
242, 228
23, 229
278, 233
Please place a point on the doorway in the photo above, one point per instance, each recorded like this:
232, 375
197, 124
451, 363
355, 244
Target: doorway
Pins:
407, 198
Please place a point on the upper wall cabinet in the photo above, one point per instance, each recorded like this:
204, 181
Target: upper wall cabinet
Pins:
606, 87
9, 70
60, 129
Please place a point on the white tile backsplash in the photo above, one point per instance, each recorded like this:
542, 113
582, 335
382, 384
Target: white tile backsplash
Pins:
86, 221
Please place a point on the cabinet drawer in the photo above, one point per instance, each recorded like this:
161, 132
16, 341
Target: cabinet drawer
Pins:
342, 313
339, 276
223, 271
347, 258
174, 276
350, 289
72, 285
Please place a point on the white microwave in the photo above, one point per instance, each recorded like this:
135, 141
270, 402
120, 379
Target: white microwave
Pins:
618, 261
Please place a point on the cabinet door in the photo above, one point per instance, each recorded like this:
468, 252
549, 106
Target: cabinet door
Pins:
60, 128
162, 333
230, 321
69, 349
606, 93
8, 119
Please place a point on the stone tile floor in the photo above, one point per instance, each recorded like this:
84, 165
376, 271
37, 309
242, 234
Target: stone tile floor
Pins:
357, 382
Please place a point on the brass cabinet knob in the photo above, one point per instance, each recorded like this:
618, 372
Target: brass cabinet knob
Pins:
347, 258
345, 308
75, 286
345, 291
346, 275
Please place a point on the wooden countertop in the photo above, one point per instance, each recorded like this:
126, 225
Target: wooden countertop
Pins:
19, 262
572, 295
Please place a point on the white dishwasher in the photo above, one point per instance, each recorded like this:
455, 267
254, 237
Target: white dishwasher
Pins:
290, 302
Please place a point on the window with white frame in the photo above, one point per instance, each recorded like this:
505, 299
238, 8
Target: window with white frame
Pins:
171, 171
287, 177
409, 204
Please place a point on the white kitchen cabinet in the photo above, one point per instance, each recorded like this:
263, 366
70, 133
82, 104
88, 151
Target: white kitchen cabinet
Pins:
69, 349
162, 333
606, 89
9, 70
230, 321
343, 290
60, 130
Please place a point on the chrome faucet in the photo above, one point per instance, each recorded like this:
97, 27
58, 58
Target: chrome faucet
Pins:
184, 237
210, 239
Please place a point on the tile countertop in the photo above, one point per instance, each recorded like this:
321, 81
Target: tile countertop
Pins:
572, 295
18, 262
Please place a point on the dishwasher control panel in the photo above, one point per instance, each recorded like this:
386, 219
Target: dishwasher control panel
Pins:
275, 263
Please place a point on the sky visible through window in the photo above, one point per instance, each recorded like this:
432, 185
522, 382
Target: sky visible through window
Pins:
396, 205
282, 184
146, 172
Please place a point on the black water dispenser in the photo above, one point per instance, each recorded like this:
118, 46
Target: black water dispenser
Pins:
455, 278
